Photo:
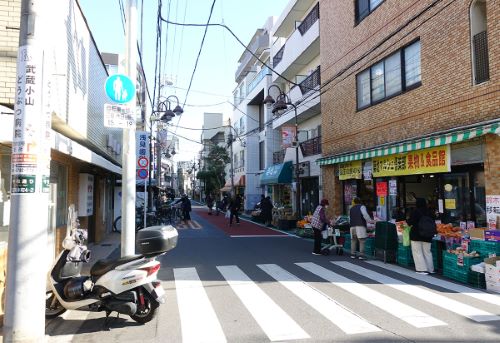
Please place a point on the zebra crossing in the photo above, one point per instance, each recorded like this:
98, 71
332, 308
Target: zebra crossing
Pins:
410, 304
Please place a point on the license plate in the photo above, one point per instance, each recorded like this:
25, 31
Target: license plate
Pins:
159, 293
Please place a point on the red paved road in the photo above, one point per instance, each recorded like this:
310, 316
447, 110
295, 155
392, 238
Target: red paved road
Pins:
245, 228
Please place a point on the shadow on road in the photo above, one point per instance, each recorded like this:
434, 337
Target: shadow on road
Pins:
67, 326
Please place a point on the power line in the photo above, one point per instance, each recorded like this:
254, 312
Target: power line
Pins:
199, 52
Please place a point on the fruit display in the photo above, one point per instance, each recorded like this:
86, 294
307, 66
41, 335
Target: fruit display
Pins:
448, 230
303, 223
460, 250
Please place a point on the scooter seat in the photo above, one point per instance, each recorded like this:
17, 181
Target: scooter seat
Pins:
101, 267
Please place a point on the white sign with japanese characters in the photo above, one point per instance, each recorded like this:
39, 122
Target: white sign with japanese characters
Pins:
119, 115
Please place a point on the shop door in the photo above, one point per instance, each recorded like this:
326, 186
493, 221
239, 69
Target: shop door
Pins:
309, 195
457, 203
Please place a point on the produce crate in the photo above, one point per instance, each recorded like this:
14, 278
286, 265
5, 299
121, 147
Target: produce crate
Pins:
347, 242
476, 279
370, 247
484, 248
405, 257
304, 232
450, 259
456, 274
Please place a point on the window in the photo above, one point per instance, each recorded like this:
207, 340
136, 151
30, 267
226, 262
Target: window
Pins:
412, 64
393, 75
479, 42
242, 158
364, 7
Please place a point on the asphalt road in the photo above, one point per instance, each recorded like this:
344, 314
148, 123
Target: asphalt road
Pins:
226, 288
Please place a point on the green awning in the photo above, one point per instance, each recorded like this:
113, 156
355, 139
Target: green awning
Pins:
435, 140
278, 173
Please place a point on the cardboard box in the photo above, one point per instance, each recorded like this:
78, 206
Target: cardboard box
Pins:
476, 234
492, 273
492, 235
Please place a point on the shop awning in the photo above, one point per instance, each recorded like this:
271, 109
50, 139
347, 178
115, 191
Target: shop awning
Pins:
278, 173
433, 140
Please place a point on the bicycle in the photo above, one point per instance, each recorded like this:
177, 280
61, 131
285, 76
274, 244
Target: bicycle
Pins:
151, 220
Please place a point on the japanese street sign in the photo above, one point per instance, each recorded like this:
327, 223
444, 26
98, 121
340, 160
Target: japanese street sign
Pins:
142, 162
119, 116
142, 154
142, 173
119, 88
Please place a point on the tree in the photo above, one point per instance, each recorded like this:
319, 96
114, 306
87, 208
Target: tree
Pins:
213, 174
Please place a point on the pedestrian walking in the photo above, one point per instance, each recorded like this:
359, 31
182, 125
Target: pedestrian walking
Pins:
358, 219
319, 223
266, 208
210, 203
185, 207
423, 228
234, 208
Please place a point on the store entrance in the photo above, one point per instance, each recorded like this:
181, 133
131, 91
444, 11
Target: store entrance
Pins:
421, 186
457, 204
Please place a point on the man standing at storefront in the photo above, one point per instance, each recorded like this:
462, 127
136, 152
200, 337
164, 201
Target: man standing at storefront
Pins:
358, 218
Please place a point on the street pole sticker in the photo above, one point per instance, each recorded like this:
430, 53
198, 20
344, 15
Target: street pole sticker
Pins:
32, 119
119, 116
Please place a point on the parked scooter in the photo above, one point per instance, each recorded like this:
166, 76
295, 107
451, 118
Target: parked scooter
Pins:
126, 285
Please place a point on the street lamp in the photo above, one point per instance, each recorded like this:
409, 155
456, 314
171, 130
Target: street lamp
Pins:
164, 114
281, 104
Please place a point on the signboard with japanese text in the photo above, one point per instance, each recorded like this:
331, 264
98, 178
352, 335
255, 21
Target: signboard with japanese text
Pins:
287, 136
425, 161
32, 121
142, 154
493, 211
120, 116
86, 195
381, 189
350, 170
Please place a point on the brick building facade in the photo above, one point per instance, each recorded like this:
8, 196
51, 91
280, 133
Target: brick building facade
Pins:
405, 76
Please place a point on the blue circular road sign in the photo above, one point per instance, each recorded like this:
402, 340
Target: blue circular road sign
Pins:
119, 88
142, 173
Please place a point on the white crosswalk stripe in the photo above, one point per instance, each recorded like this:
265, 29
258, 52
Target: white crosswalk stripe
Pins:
275, 322
346, 320
471, 292
395, 308
424, 294
199, 323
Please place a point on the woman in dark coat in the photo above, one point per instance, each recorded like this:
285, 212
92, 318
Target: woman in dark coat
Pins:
420, 246
266, 207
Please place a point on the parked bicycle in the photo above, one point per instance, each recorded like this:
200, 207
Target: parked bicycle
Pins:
151, 220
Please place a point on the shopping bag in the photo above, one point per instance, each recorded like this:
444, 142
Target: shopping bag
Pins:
406, 235
228, 213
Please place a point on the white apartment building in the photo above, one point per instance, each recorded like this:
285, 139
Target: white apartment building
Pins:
263, 159
295, 56
253, 140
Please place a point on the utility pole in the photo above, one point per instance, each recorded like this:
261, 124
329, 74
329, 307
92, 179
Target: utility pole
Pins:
230, 142
27, 250
128, 156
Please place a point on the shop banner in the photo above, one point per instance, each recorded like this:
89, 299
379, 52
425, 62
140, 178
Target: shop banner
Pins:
425, 161
287, 136
350, 170
382, 189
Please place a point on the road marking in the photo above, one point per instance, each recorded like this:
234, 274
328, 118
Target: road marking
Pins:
396, 308
342, 317
275, 322
195, 225
258, 236
199, 323
457, 307
471, 292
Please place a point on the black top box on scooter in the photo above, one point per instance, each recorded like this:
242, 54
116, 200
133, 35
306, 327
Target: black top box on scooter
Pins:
155, 240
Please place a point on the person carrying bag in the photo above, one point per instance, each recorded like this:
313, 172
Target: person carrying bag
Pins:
319, 223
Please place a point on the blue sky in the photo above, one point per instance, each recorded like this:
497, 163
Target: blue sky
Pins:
214, 79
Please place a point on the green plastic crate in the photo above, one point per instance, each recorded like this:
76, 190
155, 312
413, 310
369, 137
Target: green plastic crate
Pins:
451, 259
484, 248
404, 257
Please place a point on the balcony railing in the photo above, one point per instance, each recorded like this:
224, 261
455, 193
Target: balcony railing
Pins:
311, 81
278, 57
311, 146
251, 86
279, 156
309, 20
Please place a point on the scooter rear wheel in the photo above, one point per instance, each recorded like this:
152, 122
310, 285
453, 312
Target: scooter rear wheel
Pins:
53, 307
149, 312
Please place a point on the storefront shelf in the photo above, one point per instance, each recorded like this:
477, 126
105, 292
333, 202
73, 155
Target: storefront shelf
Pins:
450, 259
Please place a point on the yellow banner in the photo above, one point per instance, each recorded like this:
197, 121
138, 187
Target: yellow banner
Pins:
350, 170
425, 161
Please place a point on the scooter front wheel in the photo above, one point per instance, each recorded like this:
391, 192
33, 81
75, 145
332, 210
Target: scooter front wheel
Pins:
148, 312
53, 307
